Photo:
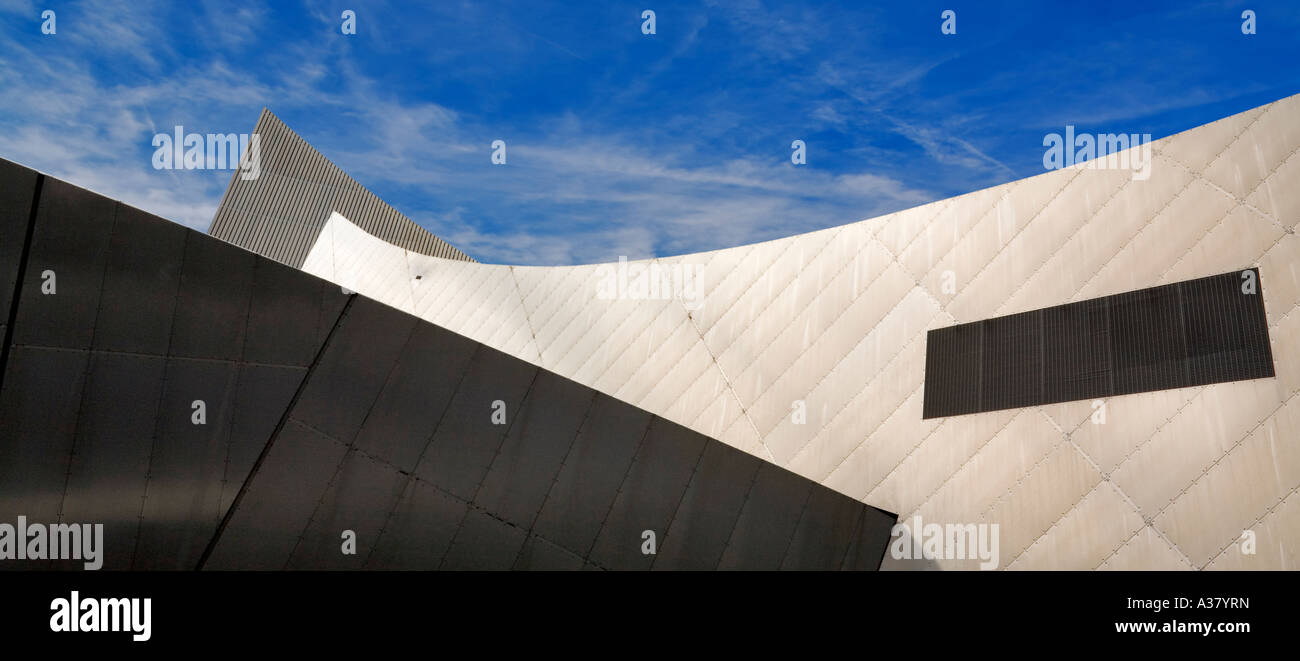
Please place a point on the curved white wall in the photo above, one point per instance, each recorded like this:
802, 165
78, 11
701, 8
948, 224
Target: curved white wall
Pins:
837, 319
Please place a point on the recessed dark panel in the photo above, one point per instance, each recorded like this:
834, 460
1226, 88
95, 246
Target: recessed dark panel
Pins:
70, 241
353, 369
1012, 371
1076, 351
212, 306
110, 459
141, 279
524, 469
768, 520
182, 504
1208, 330
465, 443
952, 370
403, 419
279, 502
592, 472
484, 543
648, 497
1146, 334
419, 532
709, 510
359, 498
1227, 330
38, 421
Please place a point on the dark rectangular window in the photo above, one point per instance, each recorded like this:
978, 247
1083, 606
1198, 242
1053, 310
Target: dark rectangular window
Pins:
952, 369
1076, 351
1197, 332
1013, 361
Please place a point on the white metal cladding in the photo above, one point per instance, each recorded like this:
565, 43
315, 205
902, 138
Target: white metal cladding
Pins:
281, 212
837, 319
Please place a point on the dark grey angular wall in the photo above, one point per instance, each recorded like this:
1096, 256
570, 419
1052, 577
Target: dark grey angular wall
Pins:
328, 412
392, 437
145, 318
282, 212
19, 185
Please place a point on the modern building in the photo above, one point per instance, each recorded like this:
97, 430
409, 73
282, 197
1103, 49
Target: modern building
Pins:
1094, 367
215, 409
816, 353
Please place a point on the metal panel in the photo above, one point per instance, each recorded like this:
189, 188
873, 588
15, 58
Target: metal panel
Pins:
484, 542
264, 392
1226, 328
649, 495
182, 503
1208, 330
289, 315
17, 187
952, 370
869, 543
826, 532
279, 502
1076, 351
419, 531
1147, 339
212, 306
279, 215
708, 510
141, 279
541, 555
1012, 361
359, 498
768, 520
590, 478
463, 447
73, 228
110, 458
353, 369
401, 422
38, 421
525, 467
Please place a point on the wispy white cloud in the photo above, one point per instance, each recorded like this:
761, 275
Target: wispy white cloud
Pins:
631, 145
58, 116
126, 30
579, 191
229, 27
20, 7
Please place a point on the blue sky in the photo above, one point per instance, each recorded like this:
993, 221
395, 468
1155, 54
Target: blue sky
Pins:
621, 143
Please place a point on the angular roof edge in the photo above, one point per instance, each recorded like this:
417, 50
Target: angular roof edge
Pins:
281, 212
